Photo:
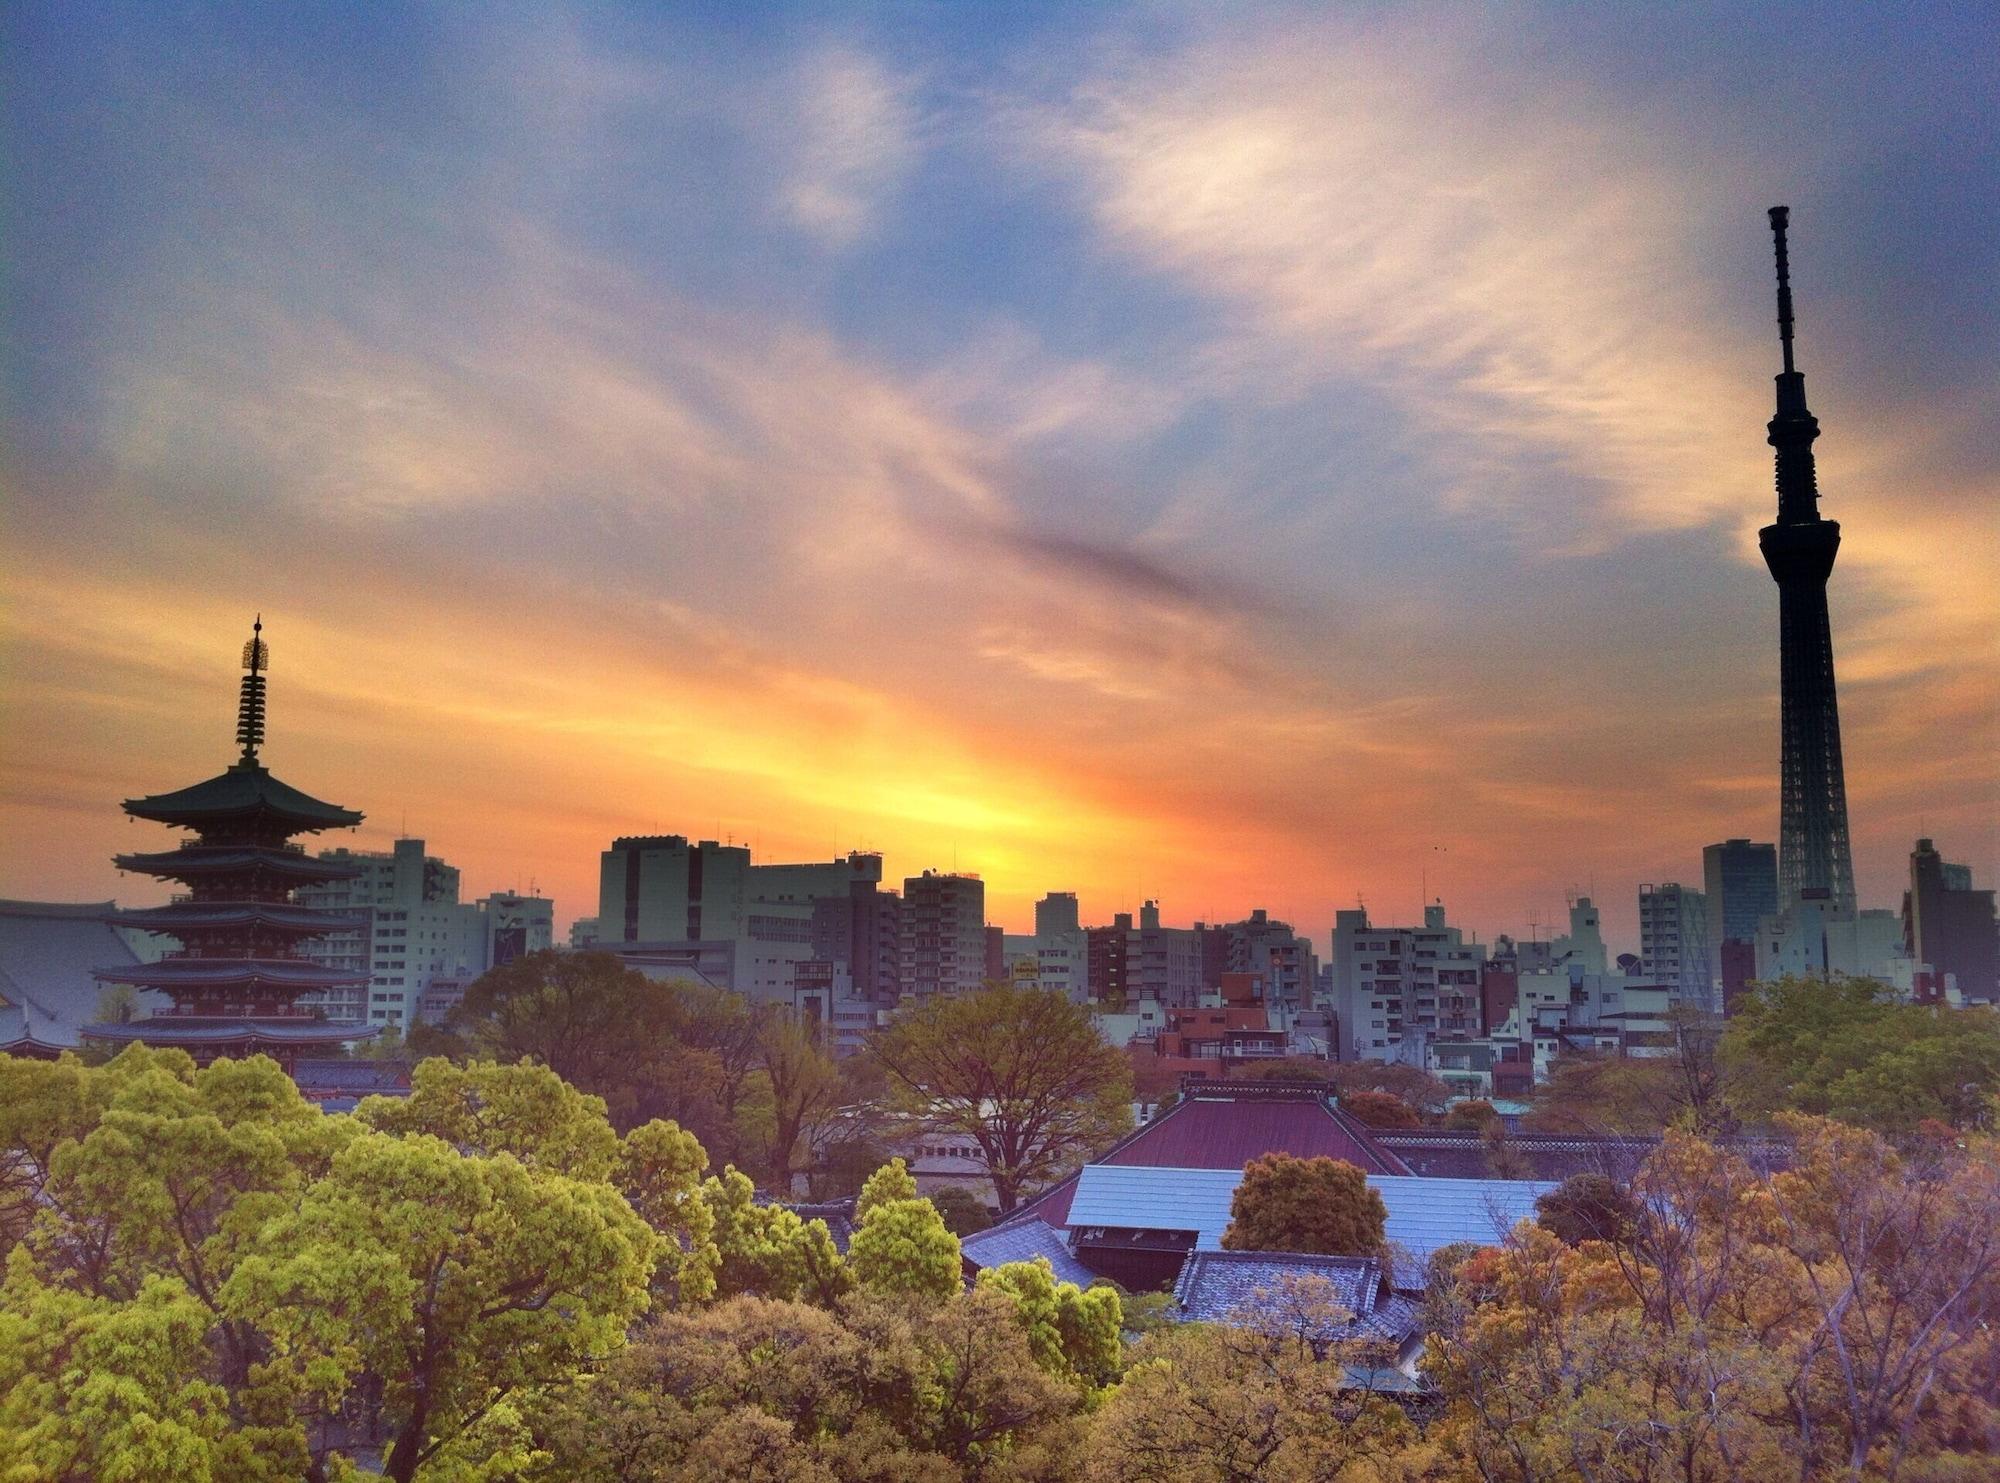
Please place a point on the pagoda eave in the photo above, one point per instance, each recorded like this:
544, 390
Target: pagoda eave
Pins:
183, 974
246, 793
202, 862
302, 921
200, 1030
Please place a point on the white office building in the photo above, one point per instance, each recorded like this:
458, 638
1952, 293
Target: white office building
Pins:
701, 910
1397, 988
1673, 943
415, 930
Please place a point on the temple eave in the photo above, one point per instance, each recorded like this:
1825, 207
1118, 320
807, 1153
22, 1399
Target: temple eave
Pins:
246, 1030
188, 975
192, 862
294, 921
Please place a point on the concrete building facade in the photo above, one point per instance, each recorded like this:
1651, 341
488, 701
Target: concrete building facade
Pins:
1397, 988
943, 933
1948, 929
1740, 880
1673, 942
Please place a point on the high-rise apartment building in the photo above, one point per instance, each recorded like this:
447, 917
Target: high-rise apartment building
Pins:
1269, 948
661, 888
1061, 949
1164, 963
1108, 957
515, 925
701, 909
1398, 988
387, 886
1673, 942
862, 932
1740, 880
944, 933
415, 930
1948, 928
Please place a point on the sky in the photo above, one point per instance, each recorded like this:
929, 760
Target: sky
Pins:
1240, 456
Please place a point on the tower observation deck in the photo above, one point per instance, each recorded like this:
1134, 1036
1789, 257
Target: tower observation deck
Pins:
1814, 858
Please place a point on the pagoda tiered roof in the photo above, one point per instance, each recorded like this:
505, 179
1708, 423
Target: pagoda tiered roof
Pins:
251, 1034
235, 982
278, 916
245, 792
196, 861
292, 975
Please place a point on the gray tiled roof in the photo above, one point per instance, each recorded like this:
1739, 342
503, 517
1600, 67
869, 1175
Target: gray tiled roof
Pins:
1023, 1241
1424, 1214
1125, 1196
1223, 1286
1245, 1287
47, 952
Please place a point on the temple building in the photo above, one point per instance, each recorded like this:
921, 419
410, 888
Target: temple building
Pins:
234, 982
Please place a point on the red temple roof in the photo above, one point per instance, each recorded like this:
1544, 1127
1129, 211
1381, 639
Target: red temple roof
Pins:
1224, 1125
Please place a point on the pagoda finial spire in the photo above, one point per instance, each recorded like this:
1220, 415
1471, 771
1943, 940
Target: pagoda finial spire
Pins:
250, 705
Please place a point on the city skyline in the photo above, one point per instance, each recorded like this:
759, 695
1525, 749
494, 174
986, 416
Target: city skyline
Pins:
1258, 488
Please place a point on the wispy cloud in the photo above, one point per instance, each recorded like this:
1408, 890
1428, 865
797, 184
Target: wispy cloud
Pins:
1340, 440
856, 129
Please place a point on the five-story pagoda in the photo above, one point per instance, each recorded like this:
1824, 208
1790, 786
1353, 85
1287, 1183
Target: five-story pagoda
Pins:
237, 976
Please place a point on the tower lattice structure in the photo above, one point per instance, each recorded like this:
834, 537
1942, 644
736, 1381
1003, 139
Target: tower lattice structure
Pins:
1814, 858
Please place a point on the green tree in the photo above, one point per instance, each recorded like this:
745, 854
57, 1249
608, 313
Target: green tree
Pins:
117, 1004
1021, 1071
890, 1182
43, 1104
767, 1249
804, 1085
214, 1265
650, 1048
659, 1167
1316, 1204
94, 1387
902, 1246
870, 1391
1850, 1048
460, 1281
1073, 1333
524, 1109
963, 1211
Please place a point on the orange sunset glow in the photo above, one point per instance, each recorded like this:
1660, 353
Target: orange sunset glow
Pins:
1311, 462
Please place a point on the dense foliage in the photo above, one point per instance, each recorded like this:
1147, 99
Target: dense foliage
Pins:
1853, 1050
1021, 1072
209, 1278
1317, 1204
1846, 1048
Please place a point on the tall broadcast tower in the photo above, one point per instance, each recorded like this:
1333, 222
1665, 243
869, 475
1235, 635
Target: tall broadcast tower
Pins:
1813, 855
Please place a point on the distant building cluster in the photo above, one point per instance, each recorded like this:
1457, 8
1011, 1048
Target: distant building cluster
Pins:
273, 948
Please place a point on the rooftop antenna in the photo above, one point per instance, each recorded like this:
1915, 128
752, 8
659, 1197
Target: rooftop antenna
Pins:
1794, 428
250, 704
1781, 217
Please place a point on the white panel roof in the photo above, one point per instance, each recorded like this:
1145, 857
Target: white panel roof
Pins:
1424, 1214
